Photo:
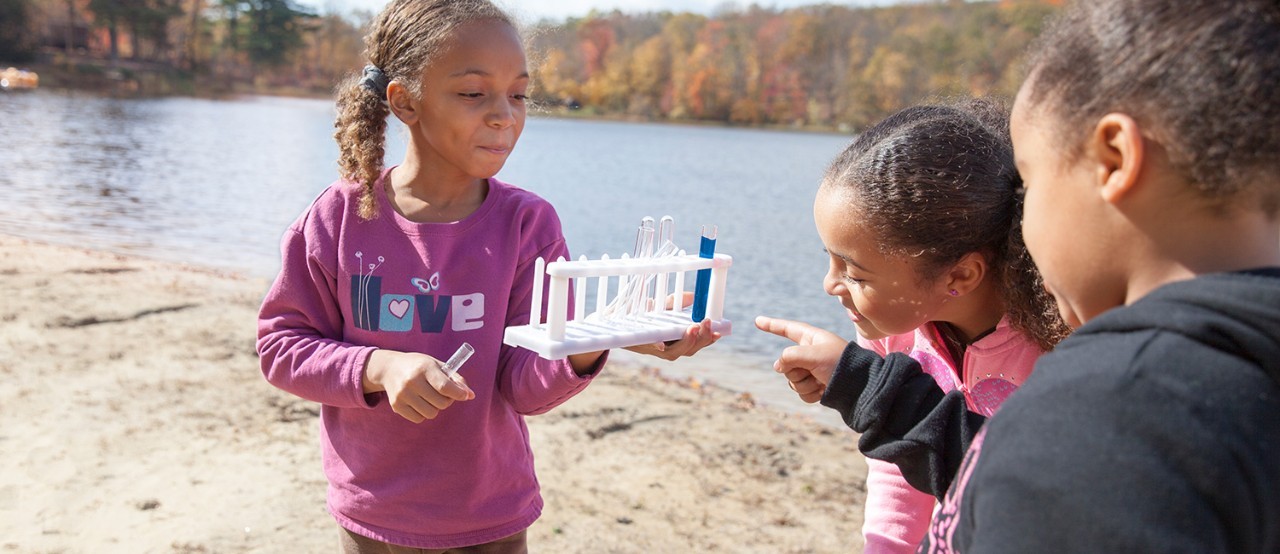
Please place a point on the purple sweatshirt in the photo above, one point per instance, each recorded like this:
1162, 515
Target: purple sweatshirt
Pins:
349, 286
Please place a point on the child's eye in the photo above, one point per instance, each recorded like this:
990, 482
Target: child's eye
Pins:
520, 97
471, 94
844, 277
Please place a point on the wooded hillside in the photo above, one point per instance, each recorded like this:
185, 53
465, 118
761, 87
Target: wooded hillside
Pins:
831, 66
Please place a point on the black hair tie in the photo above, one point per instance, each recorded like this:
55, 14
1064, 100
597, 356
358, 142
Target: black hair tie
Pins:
375, 80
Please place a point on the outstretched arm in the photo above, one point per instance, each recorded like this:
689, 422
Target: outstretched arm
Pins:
903, 415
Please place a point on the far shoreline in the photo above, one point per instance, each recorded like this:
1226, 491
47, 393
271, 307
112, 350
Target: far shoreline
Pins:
131, 81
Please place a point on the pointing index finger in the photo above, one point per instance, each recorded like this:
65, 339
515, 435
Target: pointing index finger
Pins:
794, 331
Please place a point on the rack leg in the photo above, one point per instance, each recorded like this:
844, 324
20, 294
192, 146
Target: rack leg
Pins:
535, 310
579, 298
660, 293
557, 307
678, 305
715, 305
602, 290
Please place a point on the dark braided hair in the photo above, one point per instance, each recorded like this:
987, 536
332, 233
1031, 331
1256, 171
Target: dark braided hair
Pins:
1202, 78
939, 182
402, 41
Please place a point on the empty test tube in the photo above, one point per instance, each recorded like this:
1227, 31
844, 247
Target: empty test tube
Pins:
458, 358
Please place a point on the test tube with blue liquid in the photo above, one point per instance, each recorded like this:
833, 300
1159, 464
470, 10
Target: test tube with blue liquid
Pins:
702, 286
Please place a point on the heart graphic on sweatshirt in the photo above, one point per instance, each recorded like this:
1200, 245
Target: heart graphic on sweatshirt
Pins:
987, 396
398, 308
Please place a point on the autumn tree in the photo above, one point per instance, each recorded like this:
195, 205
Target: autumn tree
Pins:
823, 65
274, 32
16, 39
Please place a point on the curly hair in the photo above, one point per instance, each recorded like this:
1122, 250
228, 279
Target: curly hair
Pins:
402, 42
1202, 77
939, 182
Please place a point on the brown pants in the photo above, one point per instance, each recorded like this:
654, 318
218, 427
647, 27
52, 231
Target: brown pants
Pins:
351, 543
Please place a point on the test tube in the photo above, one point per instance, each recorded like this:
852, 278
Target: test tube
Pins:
644, 249
458, 358
707, 249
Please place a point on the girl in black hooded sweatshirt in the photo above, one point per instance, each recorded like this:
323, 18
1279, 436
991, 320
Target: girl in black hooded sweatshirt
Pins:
1148, 138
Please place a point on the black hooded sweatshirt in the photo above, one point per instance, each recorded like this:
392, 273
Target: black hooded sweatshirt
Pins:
1153, 428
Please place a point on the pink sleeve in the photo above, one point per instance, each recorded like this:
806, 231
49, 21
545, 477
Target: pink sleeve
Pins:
298, 329
897, 515
531, 384
534, 385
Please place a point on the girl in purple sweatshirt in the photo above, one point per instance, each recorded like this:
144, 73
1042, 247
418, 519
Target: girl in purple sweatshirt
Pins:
921, 217
391, 270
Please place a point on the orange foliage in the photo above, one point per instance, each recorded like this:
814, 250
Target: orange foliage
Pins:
827, 65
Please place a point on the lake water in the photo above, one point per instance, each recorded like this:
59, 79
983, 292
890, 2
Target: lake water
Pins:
216, 182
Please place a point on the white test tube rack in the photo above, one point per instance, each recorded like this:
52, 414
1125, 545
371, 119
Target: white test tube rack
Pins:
569, 329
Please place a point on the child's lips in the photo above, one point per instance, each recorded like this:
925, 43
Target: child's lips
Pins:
854, 316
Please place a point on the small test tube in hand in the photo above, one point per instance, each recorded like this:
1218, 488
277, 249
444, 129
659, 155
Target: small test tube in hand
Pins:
458, 358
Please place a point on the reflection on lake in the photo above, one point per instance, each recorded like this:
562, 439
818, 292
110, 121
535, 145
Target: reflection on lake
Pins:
176, 178
216, 183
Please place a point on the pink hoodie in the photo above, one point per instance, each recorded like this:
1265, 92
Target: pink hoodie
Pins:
898, 515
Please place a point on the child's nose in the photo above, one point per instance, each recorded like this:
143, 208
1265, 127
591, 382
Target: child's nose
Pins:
832, 284
501, 115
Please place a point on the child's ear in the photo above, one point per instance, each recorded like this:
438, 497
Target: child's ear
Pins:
401, 103
1119, 149
966, 274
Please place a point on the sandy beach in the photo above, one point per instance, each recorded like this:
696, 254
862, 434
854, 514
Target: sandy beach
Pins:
134, 418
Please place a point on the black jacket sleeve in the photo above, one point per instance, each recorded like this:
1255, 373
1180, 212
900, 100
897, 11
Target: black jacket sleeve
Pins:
903, 416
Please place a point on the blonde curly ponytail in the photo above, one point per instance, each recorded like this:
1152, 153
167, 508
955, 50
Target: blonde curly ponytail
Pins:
361, 135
